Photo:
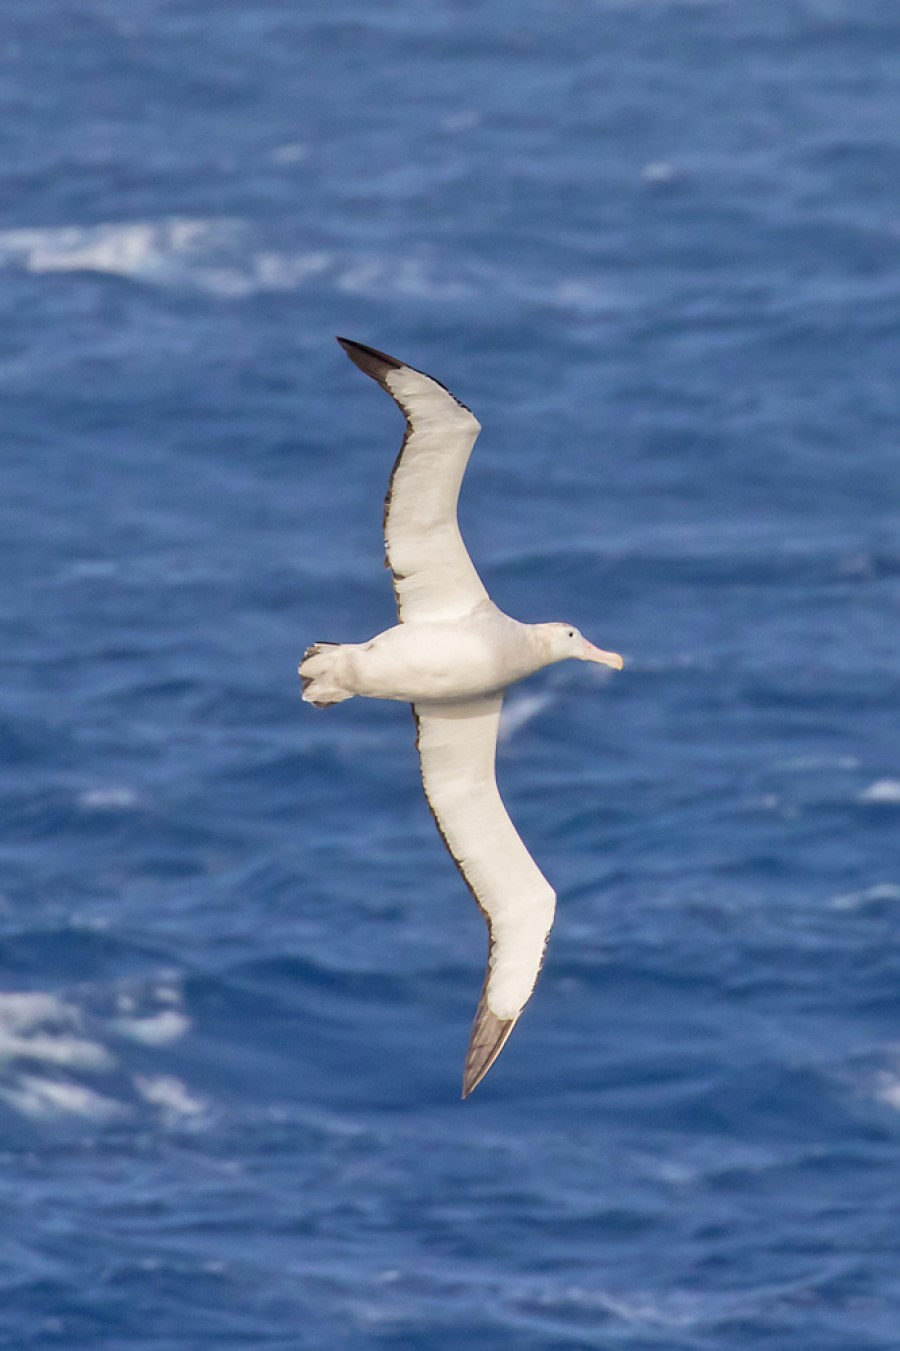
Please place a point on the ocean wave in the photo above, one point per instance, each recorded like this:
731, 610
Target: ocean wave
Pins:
113, 798
172, 1096
166, 251
880, 894
519, 710
226, 258
41, 1098
230, 258
58, 1062
221, 258
883, 792
38, 1027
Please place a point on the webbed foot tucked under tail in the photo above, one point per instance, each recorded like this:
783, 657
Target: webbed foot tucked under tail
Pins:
321, 685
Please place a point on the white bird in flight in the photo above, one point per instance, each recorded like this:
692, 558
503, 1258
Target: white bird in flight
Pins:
452, 656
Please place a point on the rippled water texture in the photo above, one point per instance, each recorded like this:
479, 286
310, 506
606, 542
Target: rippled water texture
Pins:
654, 244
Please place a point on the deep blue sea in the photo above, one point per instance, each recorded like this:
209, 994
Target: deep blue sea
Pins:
655, 245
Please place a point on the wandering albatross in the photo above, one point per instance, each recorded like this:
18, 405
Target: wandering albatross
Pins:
452, 656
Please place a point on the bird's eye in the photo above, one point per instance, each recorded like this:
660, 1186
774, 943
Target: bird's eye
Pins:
571, 633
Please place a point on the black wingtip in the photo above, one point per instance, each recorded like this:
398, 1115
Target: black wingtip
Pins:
370, 360
379, 365
489, 1036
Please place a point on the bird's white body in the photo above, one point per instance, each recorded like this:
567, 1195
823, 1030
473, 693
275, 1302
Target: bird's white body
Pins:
452, 656
482, 653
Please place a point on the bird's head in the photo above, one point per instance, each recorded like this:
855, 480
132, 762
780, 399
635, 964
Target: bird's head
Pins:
563, 641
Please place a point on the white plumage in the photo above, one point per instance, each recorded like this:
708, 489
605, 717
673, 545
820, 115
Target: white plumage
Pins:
452, 656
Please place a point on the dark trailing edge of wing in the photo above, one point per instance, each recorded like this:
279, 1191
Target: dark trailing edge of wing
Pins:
377, 364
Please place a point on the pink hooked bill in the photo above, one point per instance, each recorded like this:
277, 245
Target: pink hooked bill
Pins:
591, 653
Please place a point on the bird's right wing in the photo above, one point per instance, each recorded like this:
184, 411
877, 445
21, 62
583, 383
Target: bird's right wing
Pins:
457, 745
434, 577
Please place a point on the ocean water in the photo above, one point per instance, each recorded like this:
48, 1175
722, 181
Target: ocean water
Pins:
655, 245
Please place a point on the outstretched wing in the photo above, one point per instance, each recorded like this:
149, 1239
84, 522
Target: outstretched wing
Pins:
434, 577
457, 745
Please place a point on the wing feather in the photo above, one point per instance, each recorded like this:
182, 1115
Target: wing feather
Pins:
457, 747
433, 576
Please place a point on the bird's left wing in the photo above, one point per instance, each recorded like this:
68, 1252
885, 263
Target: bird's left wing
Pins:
433, 575
457, 746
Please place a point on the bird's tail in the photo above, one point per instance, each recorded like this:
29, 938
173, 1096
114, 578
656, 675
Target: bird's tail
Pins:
320, 675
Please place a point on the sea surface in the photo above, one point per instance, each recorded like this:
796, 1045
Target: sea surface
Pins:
655, 245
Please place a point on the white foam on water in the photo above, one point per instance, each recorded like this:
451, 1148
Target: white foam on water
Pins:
225, 258
171, 1096
379, 275
673, 1309
143, 249
26, 1010
887, 1089
659, 171
292, 153
42, 1027
217, 256
467, 119
45, 1053
89, 568
113, 798
882, 791
72, 1052
519, 710
157, 1029
583, 294
180, 253
808, 763
45, 1099
151, 1016
858, 900
288, 272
